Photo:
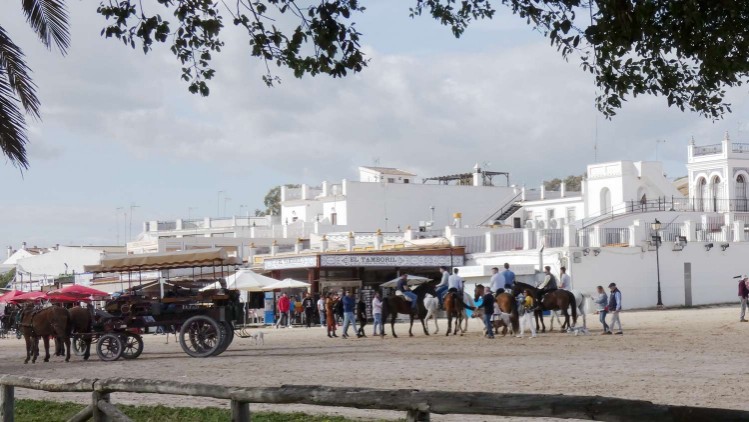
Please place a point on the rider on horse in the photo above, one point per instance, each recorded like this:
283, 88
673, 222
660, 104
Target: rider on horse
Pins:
548, 285
402, 286
455, 285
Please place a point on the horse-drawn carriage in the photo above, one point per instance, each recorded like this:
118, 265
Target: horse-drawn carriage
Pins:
203, 320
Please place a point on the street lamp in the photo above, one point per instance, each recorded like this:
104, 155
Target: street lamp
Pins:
656, 226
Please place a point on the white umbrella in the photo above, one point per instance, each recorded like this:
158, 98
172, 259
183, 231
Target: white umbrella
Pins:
246, 280
412, 280
287, 283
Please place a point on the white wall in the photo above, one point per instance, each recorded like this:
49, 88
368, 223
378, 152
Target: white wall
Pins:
53, 263
369, 204
635, 273
538, 209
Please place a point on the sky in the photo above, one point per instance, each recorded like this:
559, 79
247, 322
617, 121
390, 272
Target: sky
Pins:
121, 133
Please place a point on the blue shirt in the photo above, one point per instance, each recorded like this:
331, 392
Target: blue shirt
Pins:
349, 303
509, 277
401, 284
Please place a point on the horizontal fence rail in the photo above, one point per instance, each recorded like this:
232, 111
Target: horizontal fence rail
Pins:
417, 403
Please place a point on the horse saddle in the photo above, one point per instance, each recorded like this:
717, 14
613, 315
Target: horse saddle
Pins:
400, 293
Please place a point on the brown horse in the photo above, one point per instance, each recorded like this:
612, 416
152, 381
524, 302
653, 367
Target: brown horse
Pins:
393, 305
507, 305
454, 308
555, 300
52, 321
81, 319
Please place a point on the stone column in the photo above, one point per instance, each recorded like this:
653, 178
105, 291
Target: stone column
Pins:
298, 246
570, 235
595, 241
690, 230
324, 243
274, 248
527, 238
489, 242
350, 242
378, 240
738, 231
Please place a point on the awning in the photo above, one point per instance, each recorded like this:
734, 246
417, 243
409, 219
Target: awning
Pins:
165, 260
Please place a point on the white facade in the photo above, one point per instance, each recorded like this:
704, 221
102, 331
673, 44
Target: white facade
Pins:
42, 269
385, 175
719, 176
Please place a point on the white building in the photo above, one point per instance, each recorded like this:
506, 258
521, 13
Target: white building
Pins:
42, 269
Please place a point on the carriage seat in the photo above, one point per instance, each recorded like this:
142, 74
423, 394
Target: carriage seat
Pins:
400, 293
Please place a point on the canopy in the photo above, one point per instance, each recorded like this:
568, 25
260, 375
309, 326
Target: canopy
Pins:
77, 290
287, 283
30, 297
165, 260
10, 295
67, 298
245, 280
412, 280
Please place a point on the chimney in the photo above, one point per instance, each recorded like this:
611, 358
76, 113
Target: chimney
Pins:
10, 251
477, 179
324, 188
563, 189
23, 245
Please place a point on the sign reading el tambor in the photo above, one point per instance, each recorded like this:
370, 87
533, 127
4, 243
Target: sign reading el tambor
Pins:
290, 262
389, 260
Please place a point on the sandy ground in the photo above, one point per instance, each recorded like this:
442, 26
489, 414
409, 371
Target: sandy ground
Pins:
686, 357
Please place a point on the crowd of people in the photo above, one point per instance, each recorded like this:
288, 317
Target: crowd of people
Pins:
347, 311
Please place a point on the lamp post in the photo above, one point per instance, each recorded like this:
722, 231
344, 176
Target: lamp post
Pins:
656, 226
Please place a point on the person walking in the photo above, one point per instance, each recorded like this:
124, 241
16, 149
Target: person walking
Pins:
309, 309
283, 311
349, 304
361, 316
565, 282
497, 281
615, 306
321, 310
488, 306
743, 293
329, 316
377, 314
602, 303
509, 277
525, 308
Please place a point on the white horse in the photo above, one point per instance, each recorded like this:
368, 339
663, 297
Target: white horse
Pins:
580, 301
432, 304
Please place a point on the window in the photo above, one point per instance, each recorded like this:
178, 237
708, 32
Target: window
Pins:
406, 181
550, 214
741, 203
571, 214
391, 180
605, 200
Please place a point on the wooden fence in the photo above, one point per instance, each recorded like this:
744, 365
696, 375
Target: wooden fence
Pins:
417, 404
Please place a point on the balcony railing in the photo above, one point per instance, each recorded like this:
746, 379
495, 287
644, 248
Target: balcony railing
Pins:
708, 150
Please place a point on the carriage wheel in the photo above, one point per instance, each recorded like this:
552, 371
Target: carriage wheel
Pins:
79, 345
132, 346
200, 336
109, 347
227, 336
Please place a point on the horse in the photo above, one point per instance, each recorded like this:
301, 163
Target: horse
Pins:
82, 322
393, 305
556, 299
51, 321
432, 304
507, 306
455, 308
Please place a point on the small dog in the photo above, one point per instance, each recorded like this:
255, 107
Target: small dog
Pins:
579, 331
258, 337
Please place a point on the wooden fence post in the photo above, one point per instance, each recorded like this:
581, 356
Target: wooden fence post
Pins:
8, 403
240, 411
414, 415
99, 415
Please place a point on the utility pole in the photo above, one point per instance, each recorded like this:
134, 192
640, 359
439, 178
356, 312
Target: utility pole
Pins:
225, 200
130, 229
117, 213
218, 204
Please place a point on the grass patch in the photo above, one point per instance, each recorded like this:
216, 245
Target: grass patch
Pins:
50, 411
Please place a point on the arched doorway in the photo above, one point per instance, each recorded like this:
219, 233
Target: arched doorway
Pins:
715, 190
741, 202
701, 194
605, 200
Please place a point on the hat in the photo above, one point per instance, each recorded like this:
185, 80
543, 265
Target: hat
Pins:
612, 284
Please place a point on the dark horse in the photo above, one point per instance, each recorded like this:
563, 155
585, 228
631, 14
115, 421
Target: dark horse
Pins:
556, 299
52, 321
454, 307
81, 319
393, 305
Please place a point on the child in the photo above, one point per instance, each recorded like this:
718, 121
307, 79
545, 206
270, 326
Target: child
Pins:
526, 311
488, 305
602, 302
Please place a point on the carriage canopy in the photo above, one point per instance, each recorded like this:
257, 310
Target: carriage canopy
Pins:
165, 260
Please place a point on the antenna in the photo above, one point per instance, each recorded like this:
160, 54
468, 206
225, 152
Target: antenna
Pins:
376, 161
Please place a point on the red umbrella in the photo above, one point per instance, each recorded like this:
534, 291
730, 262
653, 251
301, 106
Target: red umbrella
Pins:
10, 295
30, 297
67, 298
76, 290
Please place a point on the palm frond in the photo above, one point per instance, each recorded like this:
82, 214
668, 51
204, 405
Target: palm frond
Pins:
49, 19
18, 74
12, 125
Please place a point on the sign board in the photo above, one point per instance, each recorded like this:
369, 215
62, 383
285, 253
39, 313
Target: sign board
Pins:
290, 262
389, 260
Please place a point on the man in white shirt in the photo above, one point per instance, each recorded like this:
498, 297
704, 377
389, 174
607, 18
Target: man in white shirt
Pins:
497, 280
455, 282
321, 310
565, 282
